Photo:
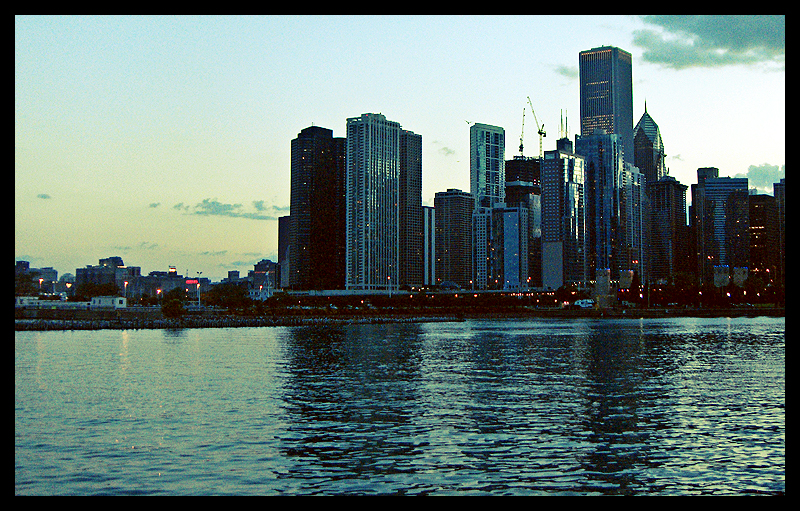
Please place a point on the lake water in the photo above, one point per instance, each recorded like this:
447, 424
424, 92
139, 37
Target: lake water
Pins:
541, 407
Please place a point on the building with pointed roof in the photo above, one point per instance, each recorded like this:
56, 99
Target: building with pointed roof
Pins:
648, 149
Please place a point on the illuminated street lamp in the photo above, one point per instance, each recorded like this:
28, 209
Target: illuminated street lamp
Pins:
198, 288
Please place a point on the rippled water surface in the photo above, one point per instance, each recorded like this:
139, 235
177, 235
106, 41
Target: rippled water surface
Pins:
542, 407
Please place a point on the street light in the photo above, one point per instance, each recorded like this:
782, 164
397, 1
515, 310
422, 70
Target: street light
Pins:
198, 288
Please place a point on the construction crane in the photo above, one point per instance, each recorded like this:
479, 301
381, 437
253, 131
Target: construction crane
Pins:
540, 129
521, 133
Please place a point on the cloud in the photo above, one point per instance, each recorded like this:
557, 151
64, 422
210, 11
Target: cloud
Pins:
212, 207
43, 196
570, 72
764, 176
444, 150
154, 204
683, 42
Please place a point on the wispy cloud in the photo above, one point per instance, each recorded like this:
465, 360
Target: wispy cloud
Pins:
43, 196
681, 42
444, 150
570, 72
154, 204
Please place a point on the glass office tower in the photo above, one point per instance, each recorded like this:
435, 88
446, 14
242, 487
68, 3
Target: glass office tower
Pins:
487, 164
606, 94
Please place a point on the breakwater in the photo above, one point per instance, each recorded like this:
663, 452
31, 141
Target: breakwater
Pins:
129, 320
216, 322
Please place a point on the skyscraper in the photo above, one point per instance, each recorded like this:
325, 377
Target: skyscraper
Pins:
764, 238
604, 168
487, 164
668, 236
454, 237
373, 197
523, 189
317, 211
780, 199
411, 230
509, 260
429, 252
563, 220
648, 149
721, 220
606, 93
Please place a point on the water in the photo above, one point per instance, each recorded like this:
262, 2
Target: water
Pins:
542, 407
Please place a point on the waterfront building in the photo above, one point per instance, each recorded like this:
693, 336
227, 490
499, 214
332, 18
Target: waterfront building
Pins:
633, 231
453, 237
780, 200
606, 94
603, 153
282, 281
764, 238
509, 259
317, 211
720, 221
372, 203
668, 231
482, 249
429, 243
563, 220
111, 270
523, 189
410, 210
487, 164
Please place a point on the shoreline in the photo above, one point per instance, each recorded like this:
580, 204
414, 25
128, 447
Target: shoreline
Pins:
114, 320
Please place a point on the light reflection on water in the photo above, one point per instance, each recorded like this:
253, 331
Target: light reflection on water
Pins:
687, 406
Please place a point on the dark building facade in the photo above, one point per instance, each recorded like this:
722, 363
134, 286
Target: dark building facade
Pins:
720, 215
410, 214
669, 242
454, 237
523, 189
606, 94
780, 202
316, 249
764, 238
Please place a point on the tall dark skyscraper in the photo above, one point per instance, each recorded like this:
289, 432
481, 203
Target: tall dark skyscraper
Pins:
669, 240
317, 211
410, 214
721, 223
454, 237
606, 94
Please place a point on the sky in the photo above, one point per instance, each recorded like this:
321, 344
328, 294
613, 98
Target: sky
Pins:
165, 140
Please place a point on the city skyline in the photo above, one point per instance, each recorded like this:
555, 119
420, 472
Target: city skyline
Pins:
166, 140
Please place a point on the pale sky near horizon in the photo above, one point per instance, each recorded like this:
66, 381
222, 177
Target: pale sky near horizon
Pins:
166, 140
